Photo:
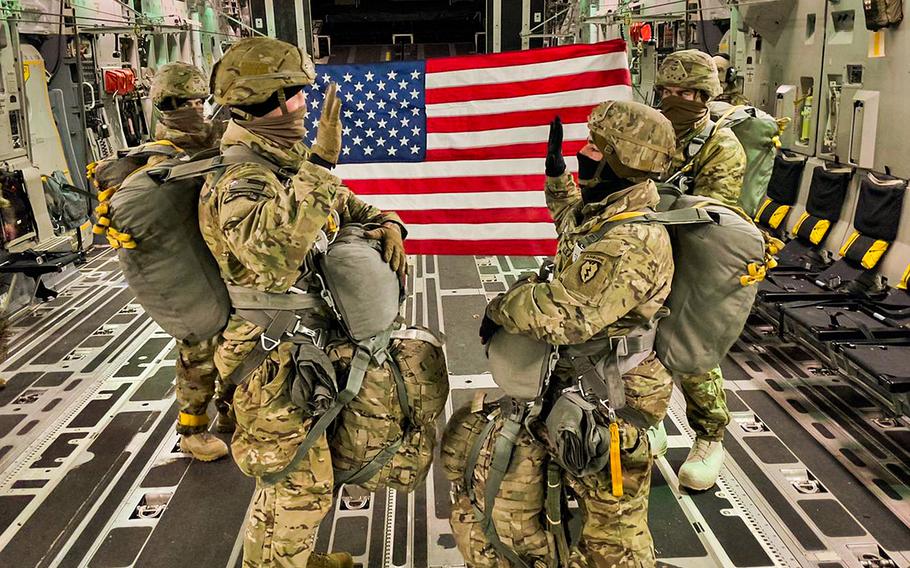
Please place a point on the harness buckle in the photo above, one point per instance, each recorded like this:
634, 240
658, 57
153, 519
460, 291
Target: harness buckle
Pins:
619, 344
317, 336
268, 344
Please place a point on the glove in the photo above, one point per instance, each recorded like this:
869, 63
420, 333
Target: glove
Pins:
328, 135
488, 328
555, 165
389, 234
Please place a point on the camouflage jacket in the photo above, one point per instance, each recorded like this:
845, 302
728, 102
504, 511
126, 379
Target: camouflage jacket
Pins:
616, 284
718, 168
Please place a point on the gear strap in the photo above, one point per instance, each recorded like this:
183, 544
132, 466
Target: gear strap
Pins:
554, 512
236, 154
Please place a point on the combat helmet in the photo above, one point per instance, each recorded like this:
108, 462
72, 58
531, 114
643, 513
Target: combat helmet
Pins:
636, 140
690, 69
254, 68
178, 80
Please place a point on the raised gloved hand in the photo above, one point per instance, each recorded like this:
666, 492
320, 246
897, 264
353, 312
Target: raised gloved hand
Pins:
328, 135
488, 328
555, 164
389, 235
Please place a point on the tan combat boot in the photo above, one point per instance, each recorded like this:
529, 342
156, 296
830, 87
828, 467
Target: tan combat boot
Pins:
333, 560
203, 446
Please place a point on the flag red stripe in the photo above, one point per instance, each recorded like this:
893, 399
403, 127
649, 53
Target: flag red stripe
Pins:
475, 184
487, 61
545, 85
446, 124
514, 247
477, 216
527, 150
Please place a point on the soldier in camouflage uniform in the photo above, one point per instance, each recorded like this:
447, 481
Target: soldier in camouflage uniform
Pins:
611, 288
731, 93
260, 230
686, 81
178, 91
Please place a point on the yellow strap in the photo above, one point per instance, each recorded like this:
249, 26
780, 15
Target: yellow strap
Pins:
874, 254
99, 229
849, 242
799, 222
104, 221
102, 208
905, 279
615, 464
778, 216
762, 209
106, 194
185, 419
819, 231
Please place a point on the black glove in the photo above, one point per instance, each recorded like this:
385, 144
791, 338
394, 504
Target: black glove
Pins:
488, 328
555, 164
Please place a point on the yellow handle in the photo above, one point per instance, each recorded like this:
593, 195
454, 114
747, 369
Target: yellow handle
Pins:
615, 464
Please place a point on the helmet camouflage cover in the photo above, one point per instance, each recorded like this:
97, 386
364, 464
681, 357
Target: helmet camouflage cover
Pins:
690, 69
633, 135
255, 67
178, 80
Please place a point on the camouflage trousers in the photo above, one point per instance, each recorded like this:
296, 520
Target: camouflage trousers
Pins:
196, 383
706, 404
283, 518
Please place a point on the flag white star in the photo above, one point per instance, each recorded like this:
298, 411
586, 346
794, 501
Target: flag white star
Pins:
393, 95
415, 93
393, 113
380, 85
361, 105
326, 78
382, 122
369, 132
371, 114
367, 151
369, 76
405, 122
415, 131
358, 86
391, 75
381, 105
349, 97
415, 149
358, 123
346, 131
370, 95
314, 103
348, 77
415, 74
393, 132
403, 104
391, 150
415, 111
404, 141
348, 113
380, 141
357, 140
403, 84
346, 150
315, 123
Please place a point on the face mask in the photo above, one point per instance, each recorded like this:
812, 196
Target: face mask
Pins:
187, 128
284, 130
683, 113
595, 191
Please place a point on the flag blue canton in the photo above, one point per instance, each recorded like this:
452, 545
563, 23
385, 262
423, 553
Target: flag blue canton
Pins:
383, 116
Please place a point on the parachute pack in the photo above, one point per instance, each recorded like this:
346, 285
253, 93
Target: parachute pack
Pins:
759, 134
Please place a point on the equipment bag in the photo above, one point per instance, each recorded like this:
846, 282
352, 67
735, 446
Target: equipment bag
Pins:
883, 13
165, 261
387, 434
759, 134
67, 204
719, 256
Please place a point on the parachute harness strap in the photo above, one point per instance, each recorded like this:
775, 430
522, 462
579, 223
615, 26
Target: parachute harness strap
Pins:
554, 512
503, 448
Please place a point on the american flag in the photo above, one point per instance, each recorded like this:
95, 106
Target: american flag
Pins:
456, 145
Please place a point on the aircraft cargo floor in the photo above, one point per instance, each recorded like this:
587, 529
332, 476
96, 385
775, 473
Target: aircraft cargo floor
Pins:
90, 473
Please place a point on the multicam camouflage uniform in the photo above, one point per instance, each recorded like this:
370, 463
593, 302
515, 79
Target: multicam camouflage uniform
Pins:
260, 230
731, 92
716, 172
614, 286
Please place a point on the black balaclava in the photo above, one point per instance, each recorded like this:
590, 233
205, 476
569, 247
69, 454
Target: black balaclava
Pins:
596, 190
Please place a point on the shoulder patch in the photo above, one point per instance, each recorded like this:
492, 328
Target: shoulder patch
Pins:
589, 269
